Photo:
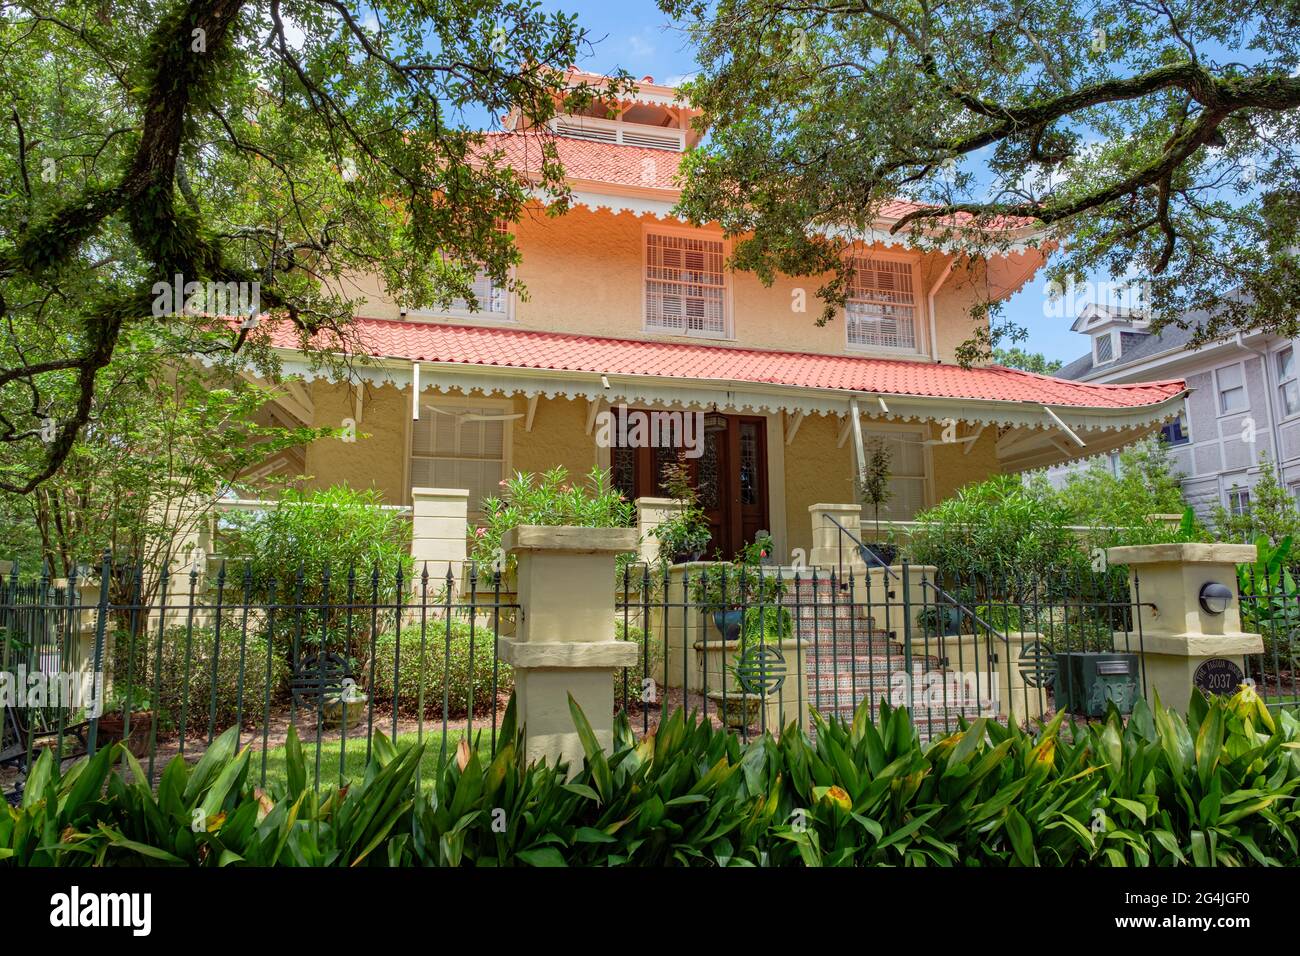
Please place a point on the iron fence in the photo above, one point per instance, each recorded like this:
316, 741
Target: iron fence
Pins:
181, 658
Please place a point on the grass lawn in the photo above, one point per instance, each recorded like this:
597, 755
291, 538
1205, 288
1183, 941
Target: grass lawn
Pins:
354, 765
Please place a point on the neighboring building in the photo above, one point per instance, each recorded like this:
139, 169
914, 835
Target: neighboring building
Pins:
627, 305
1243, 401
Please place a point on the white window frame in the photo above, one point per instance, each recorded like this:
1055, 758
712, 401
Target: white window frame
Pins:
482, 315
506, 406
872, 427
1219, 390
922, 345
1235, 483
1294, 381
728, 311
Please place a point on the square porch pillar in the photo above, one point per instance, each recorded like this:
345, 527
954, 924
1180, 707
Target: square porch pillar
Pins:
1181, 642
439, 524
564, 641
826, 536
650, 514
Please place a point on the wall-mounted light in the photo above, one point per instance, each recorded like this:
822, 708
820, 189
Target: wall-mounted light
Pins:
1215, 597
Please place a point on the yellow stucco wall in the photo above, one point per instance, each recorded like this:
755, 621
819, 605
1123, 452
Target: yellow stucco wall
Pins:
584, 273
378, 457
815, 471
559, 437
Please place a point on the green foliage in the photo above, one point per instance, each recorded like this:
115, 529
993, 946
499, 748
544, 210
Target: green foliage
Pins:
1272, 513
1214, 788
1270, 603
1016, 357
547, 499
331, 533
1118, 507
440, 664
194, 678
873, 483
1000, 530
742, 581
1129, 133
686, 532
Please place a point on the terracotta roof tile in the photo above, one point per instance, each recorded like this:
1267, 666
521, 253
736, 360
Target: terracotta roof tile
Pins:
518, 348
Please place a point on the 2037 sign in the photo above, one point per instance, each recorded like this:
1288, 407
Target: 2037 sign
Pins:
1218, 675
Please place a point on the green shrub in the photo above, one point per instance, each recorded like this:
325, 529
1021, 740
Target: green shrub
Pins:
1003, 536
336, 529
444, 653
195, 696
547, 499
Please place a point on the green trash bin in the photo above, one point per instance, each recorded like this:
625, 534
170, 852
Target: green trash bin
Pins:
1087, 681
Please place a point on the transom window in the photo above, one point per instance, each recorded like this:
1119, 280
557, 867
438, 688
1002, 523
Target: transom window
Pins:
1287, 388
685, 285
881, 309
460, 446
1232, 389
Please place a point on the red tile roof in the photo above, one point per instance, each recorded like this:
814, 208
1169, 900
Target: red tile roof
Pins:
517, 348
616, 164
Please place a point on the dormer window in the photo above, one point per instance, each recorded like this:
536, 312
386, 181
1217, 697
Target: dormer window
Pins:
1103, 349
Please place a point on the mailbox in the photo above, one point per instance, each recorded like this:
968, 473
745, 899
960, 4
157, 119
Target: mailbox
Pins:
1087, 681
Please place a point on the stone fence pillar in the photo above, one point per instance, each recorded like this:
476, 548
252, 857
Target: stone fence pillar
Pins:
564, 642
826, 550
650, 514
439, 524
1183, 644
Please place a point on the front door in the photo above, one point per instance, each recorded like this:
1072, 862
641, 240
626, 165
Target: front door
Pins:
730, 477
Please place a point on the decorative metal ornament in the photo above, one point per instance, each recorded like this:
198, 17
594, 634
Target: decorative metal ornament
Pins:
761, 670
1037, 664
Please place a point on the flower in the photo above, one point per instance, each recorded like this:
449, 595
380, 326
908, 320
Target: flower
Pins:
480, 532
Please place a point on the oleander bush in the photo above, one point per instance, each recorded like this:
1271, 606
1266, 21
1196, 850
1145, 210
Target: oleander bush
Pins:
451, 658
1217, 787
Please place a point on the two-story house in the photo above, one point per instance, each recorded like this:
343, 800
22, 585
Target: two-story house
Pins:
1243, 399
628, 306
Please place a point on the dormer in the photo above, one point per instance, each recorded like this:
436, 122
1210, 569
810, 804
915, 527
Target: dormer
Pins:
1114, 330
652, 117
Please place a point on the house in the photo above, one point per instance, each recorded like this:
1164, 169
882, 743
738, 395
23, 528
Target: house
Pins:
630, 308
1243, 399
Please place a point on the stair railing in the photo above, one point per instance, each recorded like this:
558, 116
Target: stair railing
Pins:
868, 556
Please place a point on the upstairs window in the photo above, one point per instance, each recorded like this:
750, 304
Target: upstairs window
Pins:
685, 285
1238, 500
1232, 389
1287, 390
1175, 432
881, 310
492, 300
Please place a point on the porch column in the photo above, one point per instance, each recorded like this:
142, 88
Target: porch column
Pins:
565, 642
439, 525
650, 514
1183, 645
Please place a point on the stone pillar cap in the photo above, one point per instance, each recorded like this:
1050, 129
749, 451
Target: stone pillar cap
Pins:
439, 492
834, 507
645, 500
1182, 552
534, 537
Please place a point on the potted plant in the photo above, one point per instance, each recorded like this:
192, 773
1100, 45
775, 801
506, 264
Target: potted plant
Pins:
684, 536
727, 588
113, 719
737, 707
874, 490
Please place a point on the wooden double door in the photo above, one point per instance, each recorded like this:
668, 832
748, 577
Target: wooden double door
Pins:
730, 476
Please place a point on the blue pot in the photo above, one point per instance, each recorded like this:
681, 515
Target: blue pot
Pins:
728, 623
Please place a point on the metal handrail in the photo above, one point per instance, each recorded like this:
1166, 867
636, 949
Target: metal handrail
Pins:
862, 548
963, 608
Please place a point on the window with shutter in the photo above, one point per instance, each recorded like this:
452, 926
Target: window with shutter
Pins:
907, 479
881, 309
685, 285
460, 447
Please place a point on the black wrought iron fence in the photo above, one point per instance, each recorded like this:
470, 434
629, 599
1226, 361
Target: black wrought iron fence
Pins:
1270, 606
184, 657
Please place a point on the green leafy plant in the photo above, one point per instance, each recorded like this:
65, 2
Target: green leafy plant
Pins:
685, 534
873, 483
1270, 604
1272, 514
740, 582
546, 499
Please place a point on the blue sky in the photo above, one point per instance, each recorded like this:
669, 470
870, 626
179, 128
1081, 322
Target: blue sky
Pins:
635, 35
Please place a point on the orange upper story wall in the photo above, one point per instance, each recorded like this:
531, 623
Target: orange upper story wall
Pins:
584, 273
